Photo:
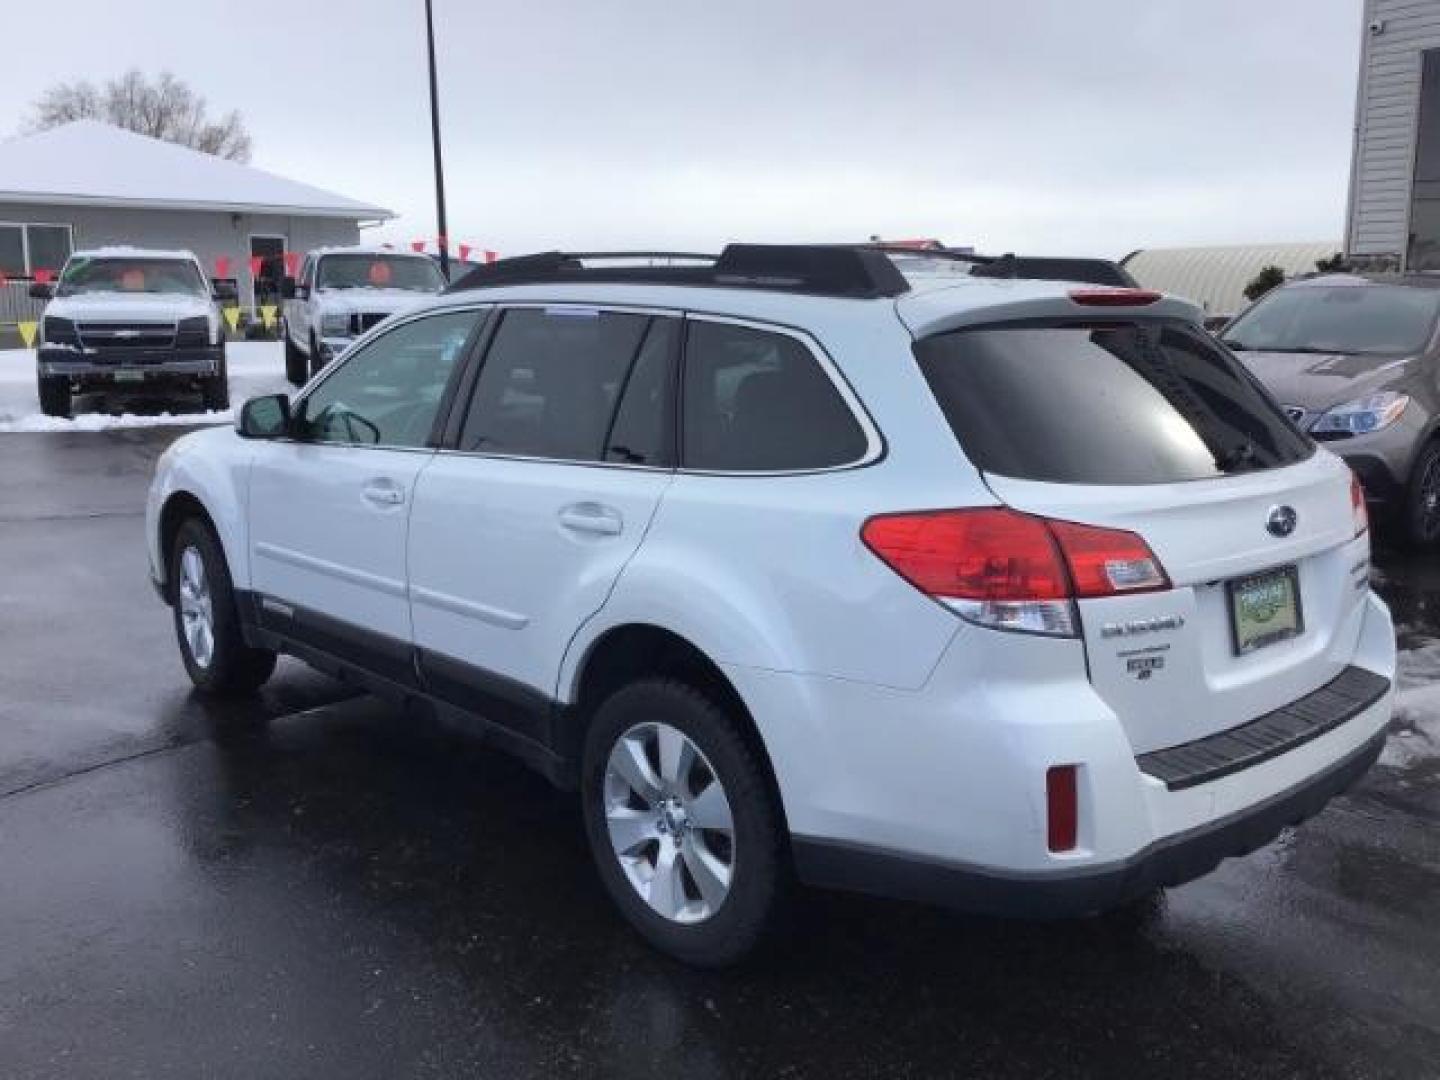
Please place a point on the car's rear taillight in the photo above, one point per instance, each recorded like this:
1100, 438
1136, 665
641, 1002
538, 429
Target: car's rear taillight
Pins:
1358, 512
1009, 570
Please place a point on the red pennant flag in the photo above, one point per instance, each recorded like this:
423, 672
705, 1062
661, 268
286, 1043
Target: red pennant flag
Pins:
417, 245
292, 263
222, 266
464, 252
257, 263
3, 279
43, 277
491, 256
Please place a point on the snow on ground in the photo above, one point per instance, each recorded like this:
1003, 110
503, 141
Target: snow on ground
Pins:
1415, 727
256, 367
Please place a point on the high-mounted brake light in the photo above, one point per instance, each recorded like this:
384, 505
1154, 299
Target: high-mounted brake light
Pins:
1114, 297
1012, 571
1359, 513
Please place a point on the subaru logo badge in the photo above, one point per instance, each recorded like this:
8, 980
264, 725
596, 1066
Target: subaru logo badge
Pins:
1281, 521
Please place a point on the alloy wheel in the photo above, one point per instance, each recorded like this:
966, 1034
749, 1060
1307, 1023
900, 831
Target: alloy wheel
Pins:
669, 822
1430, 499
197, 615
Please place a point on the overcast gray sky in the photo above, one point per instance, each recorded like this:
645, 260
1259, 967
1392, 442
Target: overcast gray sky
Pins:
1051, 126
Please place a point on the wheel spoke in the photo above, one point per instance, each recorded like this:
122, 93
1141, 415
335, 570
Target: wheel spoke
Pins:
711, 809
666, 893
711, 875
628, 760
630, 829
677, 758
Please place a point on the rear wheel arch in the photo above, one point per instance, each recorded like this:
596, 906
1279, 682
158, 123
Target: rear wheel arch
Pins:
633, 651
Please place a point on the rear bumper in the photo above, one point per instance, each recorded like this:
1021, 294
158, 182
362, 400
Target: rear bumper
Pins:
1171, 861
100, 365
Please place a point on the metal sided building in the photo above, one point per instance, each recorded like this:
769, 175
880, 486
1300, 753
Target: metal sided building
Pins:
1394, 207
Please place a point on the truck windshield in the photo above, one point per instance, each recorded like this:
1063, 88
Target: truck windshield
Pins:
114, 275
418, 274
1358, 320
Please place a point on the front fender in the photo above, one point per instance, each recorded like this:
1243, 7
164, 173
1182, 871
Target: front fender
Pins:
212, 467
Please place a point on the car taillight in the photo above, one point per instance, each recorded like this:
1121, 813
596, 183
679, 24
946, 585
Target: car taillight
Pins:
1358, 512
1012, 571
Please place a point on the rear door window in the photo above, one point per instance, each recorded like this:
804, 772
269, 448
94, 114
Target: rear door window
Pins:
759, 401
551, 381
1108, 403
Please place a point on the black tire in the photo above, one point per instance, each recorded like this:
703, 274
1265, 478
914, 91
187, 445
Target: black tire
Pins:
760, 873
55, 396
296, 366
1420, 516
317, 361
232, 668
216, 389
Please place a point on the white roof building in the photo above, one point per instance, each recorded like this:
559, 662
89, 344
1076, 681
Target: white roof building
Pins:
87, 184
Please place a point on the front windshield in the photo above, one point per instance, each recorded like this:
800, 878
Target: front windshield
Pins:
379, 272
1361, 320
121, 275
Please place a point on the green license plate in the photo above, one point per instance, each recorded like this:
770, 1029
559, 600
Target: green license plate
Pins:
129, 376
1264, 609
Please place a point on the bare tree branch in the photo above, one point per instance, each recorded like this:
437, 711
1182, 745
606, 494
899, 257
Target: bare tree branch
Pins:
165, 108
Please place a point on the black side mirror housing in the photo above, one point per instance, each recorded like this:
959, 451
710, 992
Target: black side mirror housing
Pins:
288, 289
42, 290
266, 417
223, 289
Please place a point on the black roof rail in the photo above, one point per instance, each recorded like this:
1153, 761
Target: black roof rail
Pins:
855, 271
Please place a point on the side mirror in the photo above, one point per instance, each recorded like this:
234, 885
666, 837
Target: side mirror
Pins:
223, 289
42, 290
265, 417
289, 290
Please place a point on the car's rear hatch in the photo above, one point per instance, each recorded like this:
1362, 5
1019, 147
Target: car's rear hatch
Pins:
1130, 422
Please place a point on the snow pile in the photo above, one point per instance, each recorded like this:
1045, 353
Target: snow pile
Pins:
256, 367
1415, 727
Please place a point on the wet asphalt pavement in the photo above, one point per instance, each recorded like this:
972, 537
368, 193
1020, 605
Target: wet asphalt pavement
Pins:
311, 885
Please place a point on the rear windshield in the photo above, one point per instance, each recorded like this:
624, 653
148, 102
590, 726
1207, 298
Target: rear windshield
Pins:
1113, 403
1362, 320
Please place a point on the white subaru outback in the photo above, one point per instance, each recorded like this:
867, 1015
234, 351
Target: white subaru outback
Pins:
1019, 596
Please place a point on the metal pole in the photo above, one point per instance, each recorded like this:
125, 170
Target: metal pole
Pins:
444, 239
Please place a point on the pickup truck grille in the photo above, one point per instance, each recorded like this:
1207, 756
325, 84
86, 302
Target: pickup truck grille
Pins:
114, 335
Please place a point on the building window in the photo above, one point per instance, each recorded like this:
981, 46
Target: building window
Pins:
27, 248
1424, 241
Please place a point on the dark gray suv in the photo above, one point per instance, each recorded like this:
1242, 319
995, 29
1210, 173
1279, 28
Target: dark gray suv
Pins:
1354, 360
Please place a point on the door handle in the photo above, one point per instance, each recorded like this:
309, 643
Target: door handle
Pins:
383, 492
589, 517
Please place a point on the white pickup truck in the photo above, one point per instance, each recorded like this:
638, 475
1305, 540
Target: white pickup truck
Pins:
341, 293
131, 318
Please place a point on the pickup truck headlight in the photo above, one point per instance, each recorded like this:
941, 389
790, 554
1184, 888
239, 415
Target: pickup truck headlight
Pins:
1361, 416
335, 324
57, 331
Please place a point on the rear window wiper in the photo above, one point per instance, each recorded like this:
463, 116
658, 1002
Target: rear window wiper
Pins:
1239, 459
